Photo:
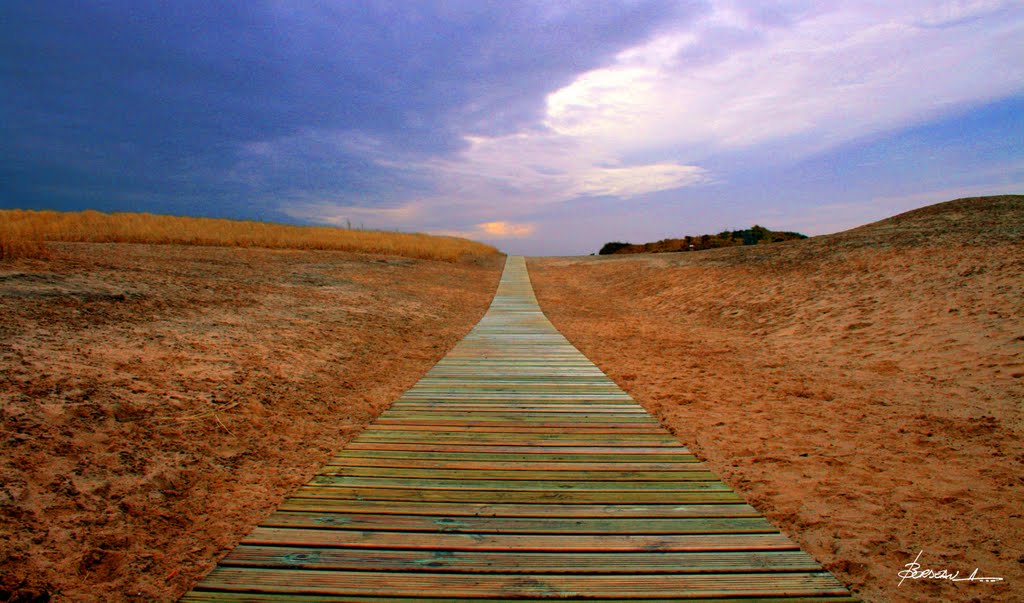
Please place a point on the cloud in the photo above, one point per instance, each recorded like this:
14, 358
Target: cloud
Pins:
637, 180
200, 103
339, 214
498, 233
506, 229
522, 171
795, 79
820, 78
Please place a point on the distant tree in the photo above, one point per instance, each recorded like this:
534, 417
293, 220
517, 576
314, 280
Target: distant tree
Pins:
754, 235
613, 247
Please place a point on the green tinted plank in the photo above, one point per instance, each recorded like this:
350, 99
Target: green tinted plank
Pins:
508, 426
644, 562
518, 485
560, 437
734, 508
514, 496
505, 525
486, 472
447, 414
509, 468
453, 541
576, 456
250, 597
240, 579
510, 448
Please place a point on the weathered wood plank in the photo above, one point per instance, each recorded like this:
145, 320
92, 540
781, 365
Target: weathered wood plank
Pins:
735, 508
523, 448
246, 555
576, 456
340, 582
519, 417
469, 426
518, 439
509, 467
453, 541
512, 496
342, 481
250, 597
523, 473
506, 525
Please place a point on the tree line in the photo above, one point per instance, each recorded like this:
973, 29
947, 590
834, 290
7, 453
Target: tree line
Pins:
754, 235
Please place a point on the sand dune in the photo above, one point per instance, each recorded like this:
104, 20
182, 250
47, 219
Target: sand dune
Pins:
158, 401
863, 389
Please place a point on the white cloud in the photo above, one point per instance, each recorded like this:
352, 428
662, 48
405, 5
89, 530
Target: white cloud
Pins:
795, 78
403, 217
827, 77
803, 79
529, 169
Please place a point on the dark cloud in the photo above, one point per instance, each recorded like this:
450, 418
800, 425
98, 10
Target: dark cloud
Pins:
151, 106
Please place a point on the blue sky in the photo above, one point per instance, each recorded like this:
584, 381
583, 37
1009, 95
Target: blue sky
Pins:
541, 127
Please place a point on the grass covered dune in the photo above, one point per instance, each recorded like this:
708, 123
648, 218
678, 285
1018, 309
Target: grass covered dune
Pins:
24, 233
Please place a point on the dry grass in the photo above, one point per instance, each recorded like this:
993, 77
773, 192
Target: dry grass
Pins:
20, 238
22, 233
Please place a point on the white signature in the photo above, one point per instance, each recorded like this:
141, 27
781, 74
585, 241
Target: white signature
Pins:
914, 572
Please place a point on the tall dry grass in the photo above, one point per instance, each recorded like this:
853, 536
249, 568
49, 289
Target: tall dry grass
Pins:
22, 233
20, 238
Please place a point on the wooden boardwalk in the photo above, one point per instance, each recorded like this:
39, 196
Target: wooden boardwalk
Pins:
516, 470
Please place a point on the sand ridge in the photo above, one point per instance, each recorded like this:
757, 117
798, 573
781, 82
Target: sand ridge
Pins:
862, 390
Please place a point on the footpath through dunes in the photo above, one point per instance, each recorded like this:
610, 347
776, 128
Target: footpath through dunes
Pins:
516, 470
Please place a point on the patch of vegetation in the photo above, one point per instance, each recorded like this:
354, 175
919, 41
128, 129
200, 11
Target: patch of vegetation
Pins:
23, 233
755, 235
20, 240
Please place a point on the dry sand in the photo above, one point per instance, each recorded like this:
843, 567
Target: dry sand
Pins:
863, 390
158, 401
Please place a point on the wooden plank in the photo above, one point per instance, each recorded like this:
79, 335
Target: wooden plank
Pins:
520, 525
251, 597
509, 467
518, 417
677, 456
240, 579
451, 541
484, 471
575, 405
511, 496
247, 555
520, 439
343, 481
523, 448
392, 424
734, 508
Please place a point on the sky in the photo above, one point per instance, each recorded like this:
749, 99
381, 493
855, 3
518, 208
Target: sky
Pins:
544, 128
